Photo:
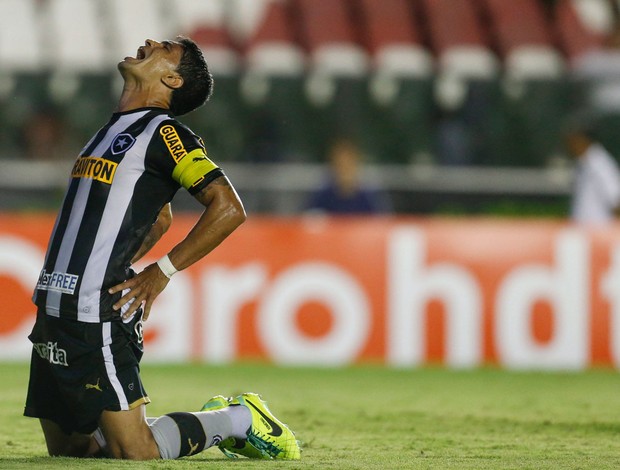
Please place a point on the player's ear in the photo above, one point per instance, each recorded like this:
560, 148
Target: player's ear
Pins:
172, 80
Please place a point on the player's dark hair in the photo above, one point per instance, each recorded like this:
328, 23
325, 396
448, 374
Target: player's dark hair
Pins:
197, 80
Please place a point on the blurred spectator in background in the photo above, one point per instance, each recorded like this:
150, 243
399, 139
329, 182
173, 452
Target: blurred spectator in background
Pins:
596, 190
43, 136
598, 72
599, 69
344, 191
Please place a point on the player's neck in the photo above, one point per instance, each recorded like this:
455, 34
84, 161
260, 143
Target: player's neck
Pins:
135, 96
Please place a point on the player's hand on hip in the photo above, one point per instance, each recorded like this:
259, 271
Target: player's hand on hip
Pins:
140, 291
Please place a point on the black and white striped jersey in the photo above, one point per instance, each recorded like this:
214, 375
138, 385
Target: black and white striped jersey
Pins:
119, 183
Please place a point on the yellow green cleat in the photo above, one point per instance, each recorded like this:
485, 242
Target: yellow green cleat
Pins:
272, 438
268, 437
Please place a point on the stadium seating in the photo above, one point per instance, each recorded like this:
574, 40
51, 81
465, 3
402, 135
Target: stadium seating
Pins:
535, 99
292, 73
576, 38
339, 36
76, 45
218, 46
336, 82
524, 39
244, 17
402, 69
191, 14
133, 22
597, 16
272, 48
20, 52
80, 63
459, 39
393, 38
205, 22
274, 88
329, 36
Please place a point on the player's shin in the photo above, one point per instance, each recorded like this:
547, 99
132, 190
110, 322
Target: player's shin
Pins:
182, 434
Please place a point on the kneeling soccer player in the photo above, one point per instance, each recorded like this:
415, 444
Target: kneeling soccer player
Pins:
85, 384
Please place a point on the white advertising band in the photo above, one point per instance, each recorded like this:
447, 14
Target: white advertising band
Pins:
166, 266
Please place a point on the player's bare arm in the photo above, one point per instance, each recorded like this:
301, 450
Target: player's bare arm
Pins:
161, 226
222, 215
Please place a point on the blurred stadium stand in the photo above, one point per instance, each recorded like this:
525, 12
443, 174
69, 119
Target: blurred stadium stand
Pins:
451, 100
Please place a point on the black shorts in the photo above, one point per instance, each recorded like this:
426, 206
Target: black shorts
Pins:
79, 369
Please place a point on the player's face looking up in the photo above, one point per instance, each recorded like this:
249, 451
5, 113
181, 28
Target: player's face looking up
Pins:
154, 62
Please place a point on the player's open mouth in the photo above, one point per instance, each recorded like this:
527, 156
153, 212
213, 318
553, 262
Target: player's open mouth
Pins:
140, 55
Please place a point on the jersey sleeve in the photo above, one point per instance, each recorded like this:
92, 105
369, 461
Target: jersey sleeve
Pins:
186, 158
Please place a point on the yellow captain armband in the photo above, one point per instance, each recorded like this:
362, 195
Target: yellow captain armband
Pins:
192, 168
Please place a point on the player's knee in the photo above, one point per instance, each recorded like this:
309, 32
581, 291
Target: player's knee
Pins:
61, 444
68, 449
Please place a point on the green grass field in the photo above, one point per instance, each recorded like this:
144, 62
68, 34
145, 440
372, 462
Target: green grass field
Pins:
375, 418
